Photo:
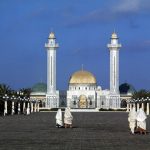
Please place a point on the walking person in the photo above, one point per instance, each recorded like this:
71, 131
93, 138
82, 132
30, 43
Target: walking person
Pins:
59, 122
132, 120
141, 121
68, 118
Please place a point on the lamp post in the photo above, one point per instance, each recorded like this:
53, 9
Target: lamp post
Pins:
12, 109
19, 100
142, 103
127, 105
147, 106
28, 106
130, 105
5, 107
31, 105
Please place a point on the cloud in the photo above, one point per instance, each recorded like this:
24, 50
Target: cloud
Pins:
119, 10
127, 6
134, 6
138, 46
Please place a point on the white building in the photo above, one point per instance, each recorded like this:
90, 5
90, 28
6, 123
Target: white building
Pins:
83, 91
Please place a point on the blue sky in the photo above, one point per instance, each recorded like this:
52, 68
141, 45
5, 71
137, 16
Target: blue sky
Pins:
83, 29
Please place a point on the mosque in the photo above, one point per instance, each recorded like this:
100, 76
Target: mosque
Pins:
83, 91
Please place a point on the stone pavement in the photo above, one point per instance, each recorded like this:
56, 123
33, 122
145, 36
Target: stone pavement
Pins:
92, 131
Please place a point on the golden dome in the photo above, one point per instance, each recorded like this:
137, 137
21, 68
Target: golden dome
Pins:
114, 35
52, 35
82, 77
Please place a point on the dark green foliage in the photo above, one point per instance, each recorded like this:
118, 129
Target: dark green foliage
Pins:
5, 89
26, 92
103, 109
52, 109
141, 94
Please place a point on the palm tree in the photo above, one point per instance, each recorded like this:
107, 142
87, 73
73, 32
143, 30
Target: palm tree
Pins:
141, 94
5, 89
26, 92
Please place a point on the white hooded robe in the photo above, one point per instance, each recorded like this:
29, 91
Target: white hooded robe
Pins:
132, 119
141, 119
59, 117
67, 116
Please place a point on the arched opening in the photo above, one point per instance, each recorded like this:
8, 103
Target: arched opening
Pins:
82, 101
124, 103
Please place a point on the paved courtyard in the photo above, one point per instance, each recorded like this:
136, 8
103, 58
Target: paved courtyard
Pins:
92, 131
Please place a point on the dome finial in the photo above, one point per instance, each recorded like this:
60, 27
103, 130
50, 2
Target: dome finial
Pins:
52, 35
114, 35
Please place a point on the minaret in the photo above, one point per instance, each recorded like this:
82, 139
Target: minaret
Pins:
114, 47
51, 47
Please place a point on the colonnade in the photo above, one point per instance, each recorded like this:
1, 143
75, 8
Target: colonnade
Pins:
137, 104
33, 106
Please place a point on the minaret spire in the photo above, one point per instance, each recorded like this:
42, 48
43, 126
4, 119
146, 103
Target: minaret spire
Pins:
114, 63
51, 47
114, 47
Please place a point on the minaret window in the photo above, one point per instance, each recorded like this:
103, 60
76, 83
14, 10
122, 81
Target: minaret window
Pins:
51, 70
114, 70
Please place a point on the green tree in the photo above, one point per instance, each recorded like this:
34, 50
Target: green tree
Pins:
26, 92
141, 94
5, 89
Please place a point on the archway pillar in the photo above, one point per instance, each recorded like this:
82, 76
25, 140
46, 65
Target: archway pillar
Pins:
37, 106
12, 108
31, 107
24, 106
138, 106
5, 108
127, 107
143, 106
18, 108
147, 109
130, 107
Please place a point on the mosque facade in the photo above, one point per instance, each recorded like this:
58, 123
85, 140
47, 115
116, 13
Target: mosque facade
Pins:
83, 91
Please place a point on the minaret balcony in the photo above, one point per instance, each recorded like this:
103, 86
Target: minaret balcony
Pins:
48, 45
114, 45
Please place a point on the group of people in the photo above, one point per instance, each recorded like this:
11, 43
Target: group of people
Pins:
68, 118
137, 121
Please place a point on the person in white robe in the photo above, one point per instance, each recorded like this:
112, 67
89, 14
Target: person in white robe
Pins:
68, 118
141, 121
59, 122
132, 119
